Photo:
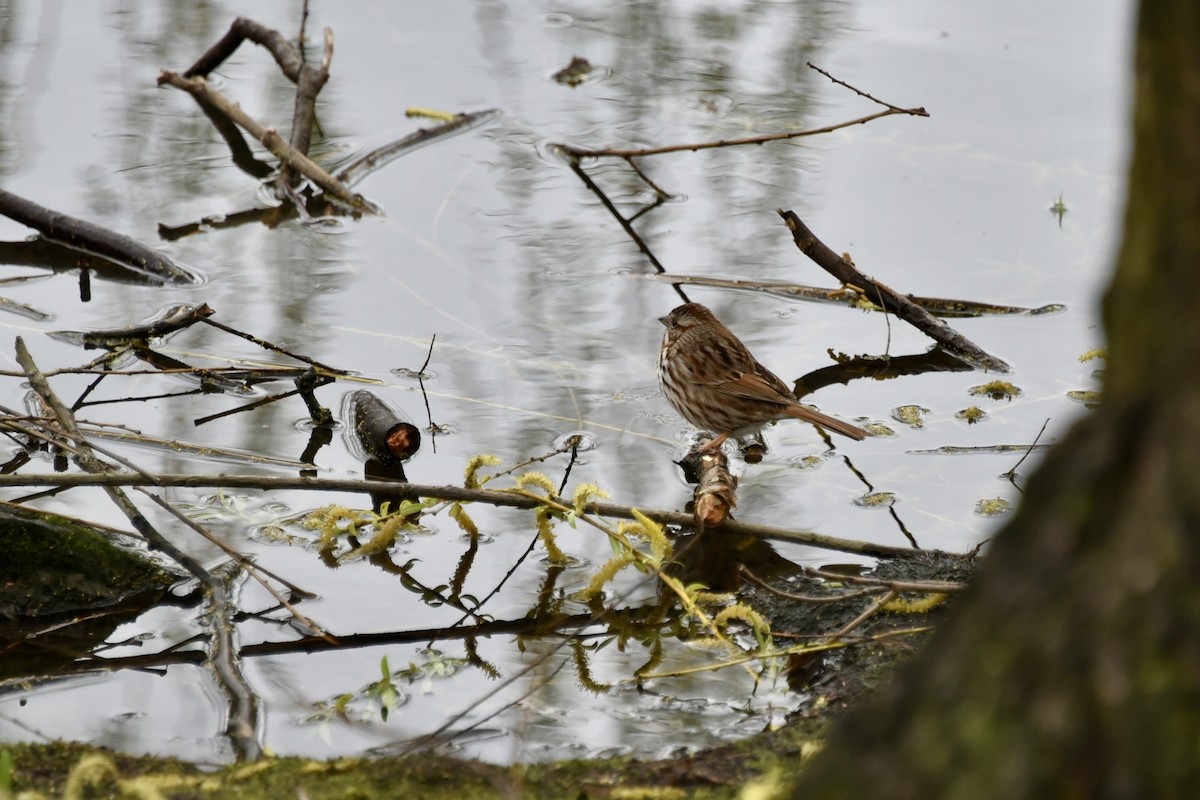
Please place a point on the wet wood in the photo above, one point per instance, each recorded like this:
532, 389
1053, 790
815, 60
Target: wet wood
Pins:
384, 434
90, 238
364, 165
271, 139
174, 319
715, 495
891, 301
287, 56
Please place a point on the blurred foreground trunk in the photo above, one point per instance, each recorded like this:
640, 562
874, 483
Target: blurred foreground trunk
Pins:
1073, 667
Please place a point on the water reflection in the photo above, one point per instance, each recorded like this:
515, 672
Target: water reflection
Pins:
545, 324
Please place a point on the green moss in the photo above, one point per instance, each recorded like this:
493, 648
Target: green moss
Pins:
53, 565
717, 773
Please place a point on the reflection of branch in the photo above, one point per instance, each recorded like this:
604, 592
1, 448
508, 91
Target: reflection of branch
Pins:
626, 224
318, 644
612, 209
575, 154
878, 368
350, 175
496, 497
429, 595
270, 217
270, 138
842, 268
243, 156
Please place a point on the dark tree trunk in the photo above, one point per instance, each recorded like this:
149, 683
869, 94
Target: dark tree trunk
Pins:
1073, 667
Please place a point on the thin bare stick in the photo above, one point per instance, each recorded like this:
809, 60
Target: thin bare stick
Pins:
262, 401
616, 152
257, 374
428, 355
273, 347
179, 446
1012, 473
303, 26
871, 611
662, 194
920, 112
56, 439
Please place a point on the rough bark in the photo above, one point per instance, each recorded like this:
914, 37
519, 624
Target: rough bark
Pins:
1073, 667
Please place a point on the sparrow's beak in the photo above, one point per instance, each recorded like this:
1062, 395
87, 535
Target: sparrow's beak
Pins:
665, 322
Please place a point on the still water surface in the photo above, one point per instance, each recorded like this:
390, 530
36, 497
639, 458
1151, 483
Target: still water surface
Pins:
544, 312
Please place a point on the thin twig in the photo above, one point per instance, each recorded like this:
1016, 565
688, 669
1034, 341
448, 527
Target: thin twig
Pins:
273, 347
1012, 473
429, 355
639, 152
570, 464
259, 572
919, 112
871, 611
433, 426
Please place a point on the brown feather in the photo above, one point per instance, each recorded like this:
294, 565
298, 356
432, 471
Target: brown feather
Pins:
714, 382
825, 421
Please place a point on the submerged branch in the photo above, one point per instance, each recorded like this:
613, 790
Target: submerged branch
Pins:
365, 164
